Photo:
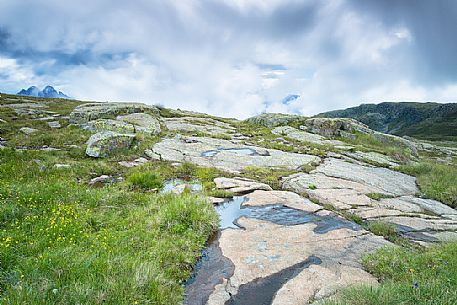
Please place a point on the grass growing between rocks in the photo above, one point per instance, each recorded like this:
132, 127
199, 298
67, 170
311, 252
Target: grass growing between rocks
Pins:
370, 143
62, 242
436, 181
408, 276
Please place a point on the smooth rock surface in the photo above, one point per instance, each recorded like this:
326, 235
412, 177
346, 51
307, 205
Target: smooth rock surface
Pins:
348, 186
226, 155
28, 130
54, 124
193, 124
240, 185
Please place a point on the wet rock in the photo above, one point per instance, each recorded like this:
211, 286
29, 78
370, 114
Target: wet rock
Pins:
240, 185
133, 163
143, 122
216, 200
303, 136
264, 250
54, 124
104, 143
273, 119
226, 155
92, 111
109, 125
27, 130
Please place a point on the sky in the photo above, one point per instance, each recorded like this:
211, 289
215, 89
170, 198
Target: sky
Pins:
233, 58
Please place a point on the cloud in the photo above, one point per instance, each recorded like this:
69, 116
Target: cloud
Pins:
233, 58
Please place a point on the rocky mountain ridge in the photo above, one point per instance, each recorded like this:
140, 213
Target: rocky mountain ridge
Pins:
422, 120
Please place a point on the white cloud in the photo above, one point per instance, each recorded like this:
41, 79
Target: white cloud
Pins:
208, 56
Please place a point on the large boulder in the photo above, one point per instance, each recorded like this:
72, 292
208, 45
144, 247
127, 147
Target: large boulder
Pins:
143, 122
104, 143
109, 125
92, 111
335, 127
273, 119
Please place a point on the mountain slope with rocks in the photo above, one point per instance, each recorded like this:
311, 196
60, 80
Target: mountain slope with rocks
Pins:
156, 205
422, 120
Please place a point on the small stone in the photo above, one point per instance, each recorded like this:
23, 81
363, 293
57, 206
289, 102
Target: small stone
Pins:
133, 163
61, 166
54, 124
216, 200
152, 155
100, 181
27, 130
240, 185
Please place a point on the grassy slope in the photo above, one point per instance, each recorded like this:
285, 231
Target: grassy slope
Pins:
62, 242
412, 276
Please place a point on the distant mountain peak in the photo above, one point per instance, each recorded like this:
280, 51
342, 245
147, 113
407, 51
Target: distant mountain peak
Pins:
48, 92
290, 98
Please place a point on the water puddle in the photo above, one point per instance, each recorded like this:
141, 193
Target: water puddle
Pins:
261, 291
173, 185
213, 267
238, 151
231, 210
210, 271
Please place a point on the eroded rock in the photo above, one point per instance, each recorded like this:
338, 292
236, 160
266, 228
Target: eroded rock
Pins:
240, 185
225, 155
104, 143
109, 125
143, 122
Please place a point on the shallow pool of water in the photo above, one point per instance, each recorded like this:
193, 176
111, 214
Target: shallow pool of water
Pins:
238, 151
194, 185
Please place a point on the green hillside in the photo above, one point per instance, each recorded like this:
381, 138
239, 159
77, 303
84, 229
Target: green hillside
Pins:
432, 121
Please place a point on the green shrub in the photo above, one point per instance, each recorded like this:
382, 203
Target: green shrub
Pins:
145, 181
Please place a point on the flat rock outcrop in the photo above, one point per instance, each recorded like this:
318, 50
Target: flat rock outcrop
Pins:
226, 155
303, 136
92, 111
196, 124
377, 194
285, 255
240, 185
